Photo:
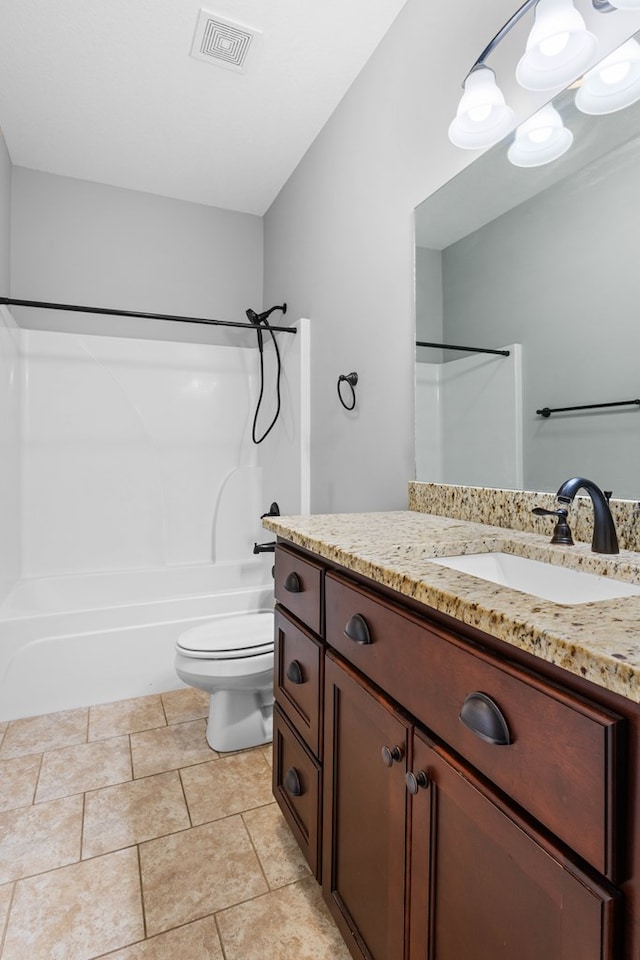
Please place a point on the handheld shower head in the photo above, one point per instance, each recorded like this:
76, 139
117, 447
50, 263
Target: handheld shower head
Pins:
259, 318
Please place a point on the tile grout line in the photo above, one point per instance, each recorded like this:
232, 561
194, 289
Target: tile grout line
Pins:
215, 920
186, 802
5, 929
254, 848
142, 906
84, 807
37, 783
166, 718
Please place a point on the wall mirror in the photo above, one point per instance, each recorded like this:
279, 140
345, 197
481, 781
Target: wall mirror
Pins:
541, 261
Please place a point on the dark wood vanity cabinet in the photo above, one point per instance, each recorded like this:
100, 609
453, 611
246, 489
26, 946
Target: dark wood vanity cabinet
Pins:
470, 807
486, 885
364, 814
298, 688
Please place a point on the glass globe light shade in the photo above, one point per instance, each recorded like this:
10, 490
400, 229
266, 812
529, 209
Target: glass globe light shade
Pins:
612, 84
540, 139
482, 118
559, 47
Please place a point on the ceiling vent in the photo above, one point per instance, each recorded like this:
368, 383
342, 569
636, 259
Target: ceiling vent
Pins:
223, 42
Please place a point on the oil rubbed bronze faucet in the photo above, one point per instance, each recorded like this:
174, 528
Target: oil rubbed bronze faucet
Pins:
605, 539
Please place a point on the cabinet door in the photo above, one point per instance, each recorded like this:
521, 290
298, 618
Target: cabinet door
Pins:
366, 744
485, 886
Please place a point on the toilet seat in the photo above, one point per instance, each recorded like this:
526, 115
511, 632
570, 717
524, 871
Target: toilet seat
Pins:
237, 636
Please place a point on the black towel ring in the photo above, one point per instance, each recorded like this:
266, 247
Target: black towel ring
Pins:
351, 379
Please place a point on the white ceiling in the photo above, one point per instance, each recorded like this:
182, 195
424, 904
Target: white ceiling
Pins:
106, 90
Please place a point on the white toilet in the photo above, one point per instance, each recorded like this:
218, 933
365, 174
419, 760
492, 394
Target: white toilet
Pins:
231, 658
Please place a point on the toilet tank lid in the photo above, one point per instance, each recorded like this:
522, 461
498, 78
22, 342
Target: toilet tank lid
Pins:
238, 634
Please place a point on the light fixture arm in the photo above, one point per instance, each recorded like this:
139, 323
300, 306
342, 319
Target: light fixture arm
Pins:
509, 25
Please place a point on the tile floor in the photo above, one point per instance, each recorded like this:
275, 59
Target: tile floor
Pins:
124, 836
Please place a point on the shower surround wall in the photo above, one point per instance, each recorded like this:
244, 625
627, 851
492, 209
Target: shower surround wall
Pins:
132, 450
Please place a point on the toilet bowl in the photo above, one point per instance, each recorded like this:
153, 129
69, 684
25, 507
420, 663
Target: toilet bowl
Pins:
232, 659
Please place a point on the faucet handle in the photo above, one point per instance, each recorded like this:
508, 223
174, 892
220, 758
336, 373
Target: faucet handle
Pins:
608, 494
561, 531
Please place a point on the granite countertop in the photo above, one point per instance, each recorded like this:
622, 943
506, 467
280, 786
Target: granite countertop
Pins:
599, 641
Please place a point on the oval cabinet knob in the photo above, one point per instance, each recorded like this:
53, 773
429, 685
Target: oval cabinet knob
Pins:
357, 629
294, 672
292, 583
391, 755
416, 781
483, 716
291, 782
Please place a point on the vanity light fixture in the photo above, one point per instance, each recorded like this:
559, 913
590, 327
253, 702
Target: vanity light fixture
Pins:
614, 83
540, 139
558, 49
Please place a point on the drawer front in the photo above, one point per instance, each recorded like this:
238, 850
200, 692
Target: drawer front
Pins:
298, 678
298, 587
296, 787
562, 761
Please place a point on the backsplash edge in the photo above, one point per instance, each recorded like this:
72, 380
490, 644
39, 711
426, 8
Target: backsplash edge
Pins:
511, 509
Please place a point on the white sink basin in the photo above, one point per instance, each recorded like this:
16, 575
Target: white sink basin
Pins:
545, 580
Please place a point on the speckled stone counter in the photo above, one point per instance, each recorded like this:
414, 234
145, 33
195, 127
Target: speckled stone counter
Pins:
512, 509
599, 641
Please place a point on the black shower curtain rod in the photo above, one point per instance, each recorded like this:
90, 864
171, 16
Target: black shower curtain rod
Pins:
450, 346
11, 301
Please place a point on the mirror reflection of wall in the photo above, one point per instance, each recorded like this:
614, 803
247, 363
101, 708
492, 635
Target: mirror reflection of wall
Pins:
557, 273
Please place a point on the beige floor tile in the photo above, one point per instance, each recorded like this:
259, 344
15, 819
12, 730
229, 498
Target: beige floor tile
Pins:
288, 924
125, 716
188, 703
229, 785
282, 859
195, 941
169, 748
5, 901
37, 734
267, 753
192, 874
39, 838
77, 913
3, 730
129, 813
18, 778
87, 766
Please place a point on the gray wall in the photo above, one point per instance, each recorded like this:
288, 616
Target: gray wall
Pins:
339, 245
5, 218
85, 243
9, 399
559, 274
339, 238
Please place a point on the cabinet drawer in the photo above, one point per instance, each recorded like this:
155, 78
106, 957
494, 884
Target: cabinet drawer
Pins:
563, 761
298, 678
298, 587
296, 787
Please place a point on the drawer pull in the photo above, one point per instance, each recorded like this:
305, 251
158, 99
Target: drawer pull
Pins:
292, 783
416, 781
357, 629
484, 718
391, 756
292, 583
294, 672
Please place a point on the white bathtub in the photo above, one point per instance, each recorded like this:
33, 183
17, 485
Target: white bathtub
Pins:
73, 641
